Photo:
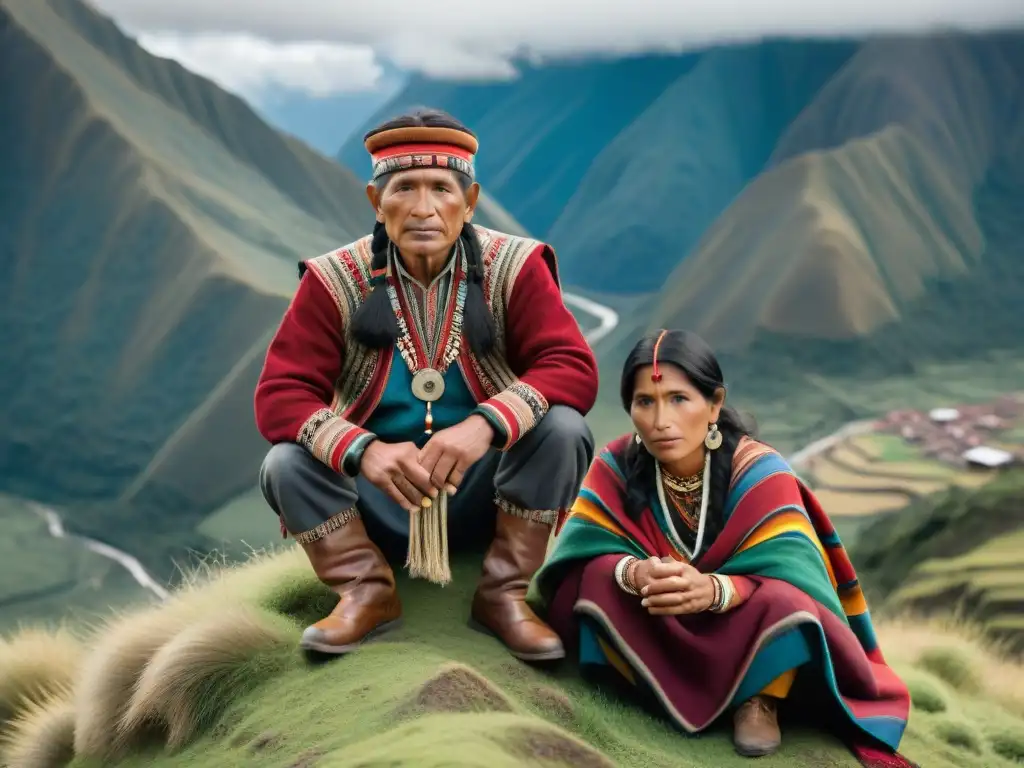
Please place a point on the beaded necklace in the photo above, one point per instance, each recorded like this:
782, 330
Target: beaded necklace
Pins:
705, 485
684, 493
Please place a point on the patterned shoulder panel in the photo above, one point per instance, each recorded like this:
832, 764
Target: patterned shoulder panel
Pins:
748, 451
504, 257
345, 273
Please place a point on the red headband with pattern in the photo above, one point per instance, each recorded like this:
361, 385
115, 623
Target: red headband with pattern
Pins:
401, 149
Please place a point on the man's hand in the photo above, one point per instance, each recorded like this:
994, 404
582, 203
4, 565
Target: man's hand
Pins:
395, 469
450, 453
674, 589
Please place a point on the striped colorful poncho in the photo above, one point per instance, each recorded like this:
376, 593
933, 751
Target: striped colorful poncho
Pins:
805, 608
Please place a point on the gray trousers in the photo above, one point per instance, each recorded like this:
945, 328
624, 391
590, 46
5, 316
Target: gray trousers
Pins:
538, 476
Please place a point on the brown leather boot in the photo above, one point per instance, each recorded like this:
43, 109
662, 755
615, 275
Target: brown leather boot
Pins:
499, 605
350, 564
756, 727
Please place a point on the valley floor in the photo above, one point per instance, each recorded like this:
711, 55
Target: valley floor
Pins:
43, 578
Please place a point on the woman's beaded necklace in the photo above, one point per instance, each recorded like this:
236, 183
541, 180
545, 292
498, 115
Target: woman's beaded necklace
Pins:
682, 486
685, 495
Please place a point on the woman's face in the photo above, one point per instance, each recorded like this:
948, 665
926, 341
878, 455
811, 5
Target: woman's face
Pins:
671, 416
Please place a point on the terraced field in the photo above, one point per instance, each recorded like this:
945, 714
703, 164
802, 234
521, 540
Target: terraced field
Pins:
987, 582
875, 473
959, 551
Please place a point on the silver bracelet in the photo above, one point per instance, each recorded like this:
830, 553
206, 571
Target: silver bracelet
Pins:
620, 574
728, 592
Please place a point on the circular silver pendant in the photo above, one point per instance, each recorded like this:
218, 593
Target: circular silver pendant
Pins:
427, 385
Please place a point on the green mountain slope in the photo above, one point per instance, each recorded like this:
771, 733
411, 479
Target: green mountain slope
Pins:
42, 577
651, 192
297, 171
891, 228
832, 246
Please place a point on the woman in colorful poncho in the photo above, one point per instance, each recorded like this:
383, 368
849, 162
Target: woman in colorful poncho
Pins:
699, 568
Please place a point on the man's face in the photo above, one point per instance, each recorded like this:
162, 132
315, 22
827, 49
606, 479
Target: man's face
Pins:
424, 210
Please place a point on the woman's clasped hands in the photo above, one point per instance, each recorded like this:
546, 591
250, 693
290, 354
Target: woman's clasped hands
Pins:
672, 588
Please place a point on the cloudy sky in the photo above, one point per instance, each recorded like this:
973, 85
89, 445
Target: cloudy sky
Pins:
329, 47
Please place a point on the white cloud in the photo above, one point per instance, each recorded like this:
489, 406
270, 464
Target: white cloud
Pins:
249, 66
476, 38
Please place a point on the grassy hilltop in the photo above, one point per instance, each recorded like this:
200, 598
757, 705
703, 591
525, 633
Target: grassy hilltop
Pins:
213, 678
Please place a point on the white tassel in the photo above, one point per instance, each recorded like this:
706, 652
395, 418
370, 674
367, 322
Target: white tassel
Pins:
428, 543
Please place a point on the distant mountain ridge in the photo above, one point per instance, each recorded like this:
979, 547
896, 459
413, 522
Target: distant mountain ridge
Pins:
540, 132
877, 201
299, 172
591, 153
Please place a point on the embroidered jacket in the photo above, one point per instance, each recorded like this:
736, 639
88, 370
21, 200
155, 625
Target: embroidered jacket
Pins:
319, 385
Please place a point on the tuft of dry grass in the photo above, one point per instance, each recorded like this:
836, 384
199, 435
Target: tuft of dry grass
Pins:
35, 664
193, 678
42, 734
279, 580
121, 650
958, 652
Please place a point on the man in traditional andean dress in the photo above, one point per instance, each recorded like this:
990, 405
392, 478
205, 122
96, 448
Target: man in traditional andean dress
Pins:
432, 365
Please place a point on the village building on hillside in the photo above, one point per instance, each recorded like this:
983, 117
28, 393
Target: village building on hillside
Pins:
961, 436
987, 457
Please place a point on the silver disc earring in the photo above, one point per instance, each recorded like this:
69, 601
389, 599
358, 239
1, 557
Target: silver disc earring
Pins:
713, 440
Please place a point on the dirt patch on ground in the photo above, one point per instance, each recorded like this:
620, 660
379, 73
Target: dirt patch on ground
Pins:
266, 740
456, 688
553, 703
545, 746
307, 759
